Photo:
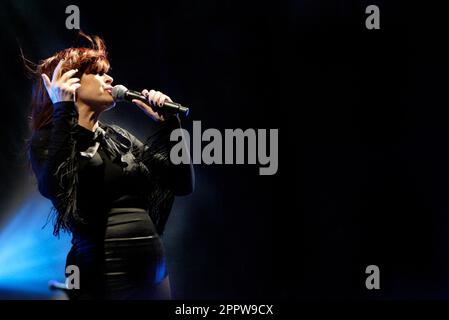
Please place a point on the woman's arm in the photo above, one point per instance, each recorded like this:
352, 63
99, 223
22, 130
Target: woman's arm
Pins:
155, 154
156, 149
179, 178
52, 152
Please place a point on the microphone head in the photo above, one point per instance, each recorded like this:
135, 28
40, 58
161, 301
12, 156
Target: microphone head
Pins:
119, 92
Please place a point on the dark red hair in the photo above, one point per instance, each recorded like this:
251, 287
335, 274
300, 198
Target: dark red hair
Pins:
91, 59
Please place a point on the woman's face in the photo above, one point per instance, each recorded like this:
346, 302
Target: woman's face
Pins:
96, 91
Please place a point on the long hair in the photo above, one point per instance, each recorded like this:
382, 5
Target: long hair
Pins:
91, 59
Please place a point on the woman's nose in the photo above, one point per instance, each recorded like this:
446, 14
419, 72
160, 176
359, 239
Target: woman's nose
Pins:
109, 79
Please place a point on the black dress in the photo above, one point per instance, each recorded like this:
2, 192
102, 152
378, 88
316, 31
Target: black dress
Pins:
114, 194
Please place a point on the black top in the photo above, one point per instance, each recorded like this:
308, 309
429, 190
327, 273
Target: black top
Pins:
103, 179
123, 172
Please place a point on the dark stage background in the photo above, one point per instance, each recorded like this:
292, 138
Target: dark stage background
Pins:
362, 115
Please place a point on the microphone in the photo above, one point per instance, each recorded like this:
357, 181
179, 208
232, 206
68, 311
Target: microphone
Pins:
121, 93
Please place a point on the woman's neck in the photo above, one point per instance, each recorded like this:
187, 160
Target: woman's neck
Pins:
87, 118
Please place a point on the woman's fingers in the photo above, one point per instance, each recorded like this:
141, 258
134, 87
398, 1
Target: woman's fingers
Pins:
156, 98
68, 75
46, 80
75, 86
57, 71
72, 80
152, 96
149, 95
161, 99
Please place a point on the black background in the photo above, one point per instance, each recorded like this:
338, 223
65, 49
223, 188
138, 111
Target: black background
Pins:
362, 116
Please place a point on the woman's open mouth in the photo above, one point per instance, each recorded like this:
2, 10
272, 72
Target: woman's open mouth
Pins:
109, 90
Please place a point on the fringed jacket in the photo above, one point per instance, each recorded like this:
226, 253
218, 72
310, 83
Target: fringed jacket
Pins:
59, 153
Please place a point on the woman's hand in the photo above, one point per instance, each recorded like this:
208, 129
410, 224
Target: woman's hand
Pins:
155, 98
61, 87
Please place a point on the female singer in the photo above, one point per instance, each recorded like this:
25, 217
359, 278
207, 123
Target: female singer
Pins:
112, 192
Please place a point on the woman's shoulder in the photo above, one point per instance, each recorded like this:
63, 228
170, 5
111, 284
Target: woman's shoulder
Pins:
119, 132
116, 129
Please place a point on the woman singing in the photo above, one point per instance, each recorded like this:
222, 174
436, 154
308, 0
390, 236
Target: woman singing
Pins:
112, 192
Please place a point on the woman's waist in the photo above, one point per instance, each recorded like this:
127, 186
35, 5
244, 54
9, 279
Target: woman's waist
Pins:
90, 203
129, 223
119, 224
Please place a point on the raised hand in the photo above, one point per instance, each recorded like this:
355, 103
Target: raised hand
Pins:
61, 87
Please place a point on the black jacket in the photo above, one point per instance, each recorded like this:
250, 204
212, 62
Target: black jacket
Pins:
55, 159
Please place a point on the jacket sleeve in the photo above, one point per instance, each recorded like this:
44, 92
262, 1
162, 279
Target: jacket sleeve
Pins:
53, 159
165, 179
155, 154
49, 152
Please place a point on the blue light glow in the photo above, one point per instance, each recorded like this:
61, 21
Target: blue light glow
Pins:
29, 255
161, 271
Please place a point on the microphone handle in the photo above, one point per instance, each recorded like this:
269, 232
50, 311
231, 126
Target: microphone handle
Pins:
168, 106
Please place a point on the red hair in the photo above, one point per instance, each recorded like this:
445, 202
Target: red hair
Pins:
91, 59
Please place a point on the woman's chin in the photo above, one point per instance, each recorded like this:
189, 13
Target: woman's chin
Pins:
110, 105
108, 101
